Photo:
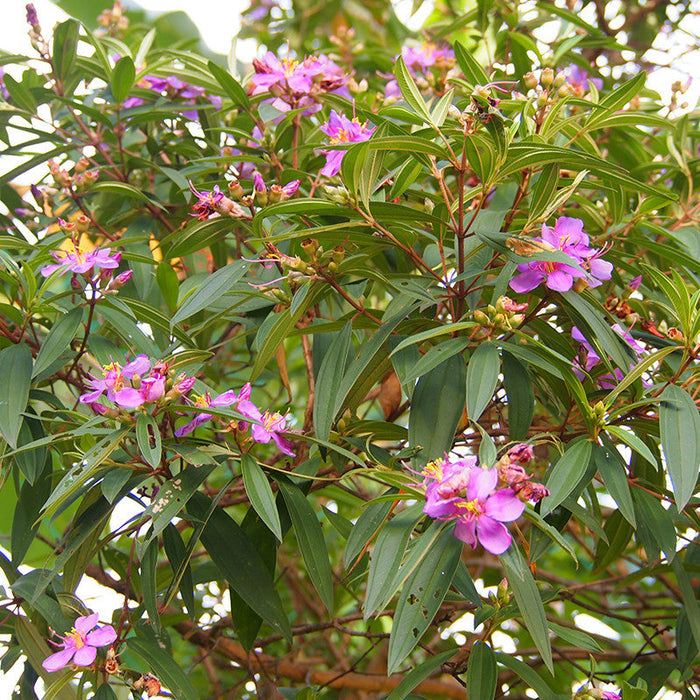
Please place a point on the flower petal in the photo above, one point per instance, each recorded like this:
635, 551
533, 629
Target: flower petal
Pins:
59, 660
102, 636
482, 483
493, 536
465, 530
504, 506
85, 656
86, 623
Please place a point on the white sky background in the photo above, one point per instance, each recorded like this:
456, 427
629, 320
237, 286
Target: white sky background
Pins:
218, 22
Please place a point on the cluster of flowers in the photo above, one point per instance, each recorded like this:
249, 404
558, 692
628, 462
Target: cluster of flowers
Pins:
481, 500
298, 84
568, 237
589, 358
75, 256
134, 384
174, 89
421, 60
267, 425
215, 202
340, 129
138, 383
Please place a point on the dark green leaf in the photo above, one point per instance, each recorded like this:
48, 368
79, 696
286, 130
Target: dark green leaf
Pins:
680, 436
410, 90
366, 528
176, 552
614, 474
418, 674
482, 674
422, 595
16, 370
232, 87
471, 68
65, 43
310, 540
482, 377
215, 286
436, 408
260, 494
566, 474
527, 597
148, 439
528, 675
123, 77
521, 396
58, 340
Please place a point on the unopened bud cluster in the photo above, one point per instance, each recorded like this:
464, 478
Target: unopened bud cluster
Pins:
79, 182
504, 316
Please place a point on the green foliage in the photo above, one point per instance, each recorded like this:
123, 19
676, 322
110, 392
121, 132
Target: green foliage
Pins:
260, 341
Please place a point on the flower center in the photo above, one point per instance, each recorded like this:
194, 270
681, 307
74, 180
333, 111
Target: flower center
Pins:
289, 66
473, 509
75, 639
202, 401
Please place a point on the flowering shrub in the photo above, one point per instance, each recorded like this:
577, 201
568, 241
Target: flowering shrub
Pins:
278, 340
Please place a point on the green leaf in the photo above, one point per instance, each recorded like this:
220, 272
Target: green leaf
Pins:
435, 356
149, 439
471, 68
521, 396
123, 77
65, 43
566, 474
527, 597
57, 340
149, 562
260, 494
530, 677
482, 674
656, 520
171, 498
213, 287
436, 408
482, 377
614, 474
618, 533
176, 552
410, 90
31, 461
310, 539
576, 638
387, 555
328, 381
240, 563
422, 595
366, 528
20, 95
543, 190
679, 424
232, 87
16, 370
419, 674
25, 523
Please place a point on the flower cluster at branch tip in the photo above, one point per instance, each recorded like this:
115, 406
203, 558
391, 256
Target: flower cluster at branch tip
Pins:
579, 80
512, 473
75, 257
569, 238
590, 358
266, 426
214, 202
297, 84
80, 644
421, 61
174, 89
134, 384
340, 129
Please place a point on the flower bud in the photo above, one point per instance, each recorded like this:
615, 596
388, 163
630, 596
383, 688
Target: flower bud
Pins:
235, 190
547, 77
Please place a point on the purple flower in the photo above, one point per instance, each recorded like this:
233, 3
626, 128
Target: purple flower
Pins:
80, 644
428, 55
173, 88
271, 425
568, 237
228, 398
32, 18
80, 261
340, 129
591, 358
610, 695
578, 79
297, 84
116, 384
466, 493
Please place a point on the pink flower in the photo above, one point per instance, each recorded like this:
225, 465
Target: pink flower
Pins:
610, 695
568, 237
591, 357
271, 425
297, 84
80, 261
117, 384
466, 493
228, 398
80, 644
579, 80
428, 55
340, 129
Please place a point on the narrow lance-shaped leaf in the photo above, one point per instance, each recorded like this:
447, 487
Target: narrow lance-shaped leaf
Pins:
16, 371
260, 494
482, 377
